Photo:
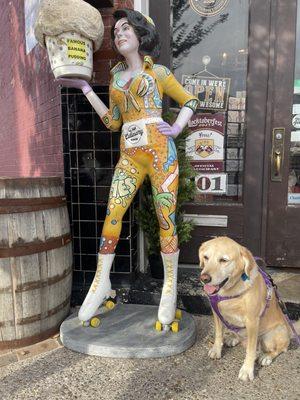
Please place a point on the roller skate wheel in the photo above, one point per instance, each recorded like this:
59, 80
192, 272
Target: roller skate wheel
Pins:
95, 322
178, 314
109, 304
175, 326
158, 326
85, 323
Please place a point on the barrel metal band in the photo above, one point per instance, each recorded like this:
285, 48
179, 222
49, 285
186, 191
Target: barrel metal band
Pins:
26, 249
10, 206
33, 285
37, 317
13, 344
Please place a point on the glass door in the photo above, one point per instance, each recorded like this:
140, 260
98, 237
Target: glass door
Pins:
220, 51
210, 57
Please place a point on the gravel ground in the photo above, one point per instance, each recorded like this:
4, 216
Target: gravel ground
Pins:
62, 374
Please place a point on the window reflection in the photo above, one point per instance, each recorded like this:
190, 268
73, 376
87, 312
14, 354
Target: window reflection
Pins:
294, 166
223, 39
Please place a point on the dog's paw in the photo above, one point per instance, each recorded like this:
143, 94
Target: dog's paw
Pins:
265, 359
215, 352
246, 373
231, 341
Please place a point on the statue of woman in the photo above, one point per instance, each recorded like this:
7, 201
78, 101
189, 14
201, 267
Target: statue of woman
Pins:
146, 148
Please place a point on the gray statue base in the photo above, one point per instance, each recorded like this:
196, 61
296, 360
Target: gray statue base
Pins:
128, 331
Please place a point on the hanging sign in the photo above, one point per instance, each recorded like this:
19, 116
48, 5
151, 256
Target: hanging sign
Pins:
212, 92
208, 8
205, 145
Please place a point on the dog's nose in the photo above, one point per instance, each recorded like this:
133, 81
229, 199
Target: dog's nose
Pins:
205, 278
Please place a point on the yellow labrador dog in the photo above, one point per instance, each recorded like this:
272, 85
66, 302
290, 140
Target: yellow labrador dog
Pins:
244, 301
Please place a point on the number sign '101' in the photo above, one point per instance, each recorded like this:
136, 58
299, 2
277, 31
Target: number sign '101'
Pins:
212, 183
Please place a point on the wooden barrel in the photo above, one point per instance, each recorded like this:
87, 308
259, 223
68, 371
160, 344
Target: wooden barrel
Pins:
35, 260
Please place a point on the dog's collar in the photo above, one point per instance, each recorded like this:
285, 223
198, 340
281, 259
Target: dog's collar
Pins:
216, 298
245, 277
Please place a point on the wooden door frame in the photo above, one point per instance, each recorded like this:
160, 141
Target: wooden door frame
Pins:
245, 220
257, 98
279, 112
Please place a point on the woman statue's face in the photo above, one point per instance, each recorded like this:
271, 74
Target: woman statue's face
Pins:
125, 40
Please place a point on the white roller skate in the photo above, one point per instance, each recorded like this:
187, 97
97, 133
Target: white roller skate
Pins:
168, 315
99, 294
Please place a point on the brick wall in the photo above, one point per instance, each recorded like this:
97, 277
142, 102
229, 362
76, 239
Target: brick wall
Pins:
30, 104
30, 119
105, 58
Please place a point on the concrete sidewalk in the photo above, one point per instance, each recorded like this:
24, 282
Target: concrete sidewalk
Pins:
60, 374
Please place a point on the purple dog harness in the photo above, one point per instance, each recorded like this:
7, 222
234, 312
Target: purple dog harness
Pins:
215, 299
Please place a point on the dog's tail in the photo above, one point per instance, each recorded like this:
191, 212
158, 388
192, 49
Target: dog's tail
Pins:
297, 326
295, 331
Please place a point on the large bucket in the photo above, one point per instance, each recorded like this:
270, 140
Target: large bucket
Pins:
70, 55
35, 260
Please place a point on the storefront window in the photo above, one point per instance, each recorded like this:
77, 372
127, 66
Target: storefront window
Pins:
294, 172
210, 55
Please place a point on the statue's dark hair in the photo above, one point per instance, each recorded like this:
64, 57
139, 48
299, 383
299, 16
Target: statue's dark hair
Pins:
144, 30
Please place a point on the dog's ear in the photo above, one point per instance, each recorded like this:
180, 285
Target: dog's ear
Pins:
248, 260
201, 253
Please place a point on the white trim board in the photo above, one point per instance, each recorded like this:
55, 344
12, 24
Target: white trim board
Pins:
142, 6
208, 220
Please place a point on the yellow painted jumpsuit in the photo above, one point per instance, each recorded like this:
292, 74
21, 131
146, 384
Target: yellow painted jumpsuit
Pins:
141, 98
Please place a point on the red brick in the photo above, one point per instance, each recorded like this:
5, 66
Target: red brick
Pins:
30, 104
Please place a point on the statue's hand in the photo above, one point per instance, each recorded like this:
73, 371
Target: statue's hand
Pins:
169, 130
75, 83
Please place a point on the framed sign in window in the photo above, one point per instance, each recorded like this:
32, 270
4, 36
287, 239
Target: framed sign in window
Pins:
212, 92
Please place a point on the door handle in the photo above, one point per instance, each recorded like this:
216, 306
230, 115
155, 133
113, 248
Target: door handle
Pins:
277, 154
277, 162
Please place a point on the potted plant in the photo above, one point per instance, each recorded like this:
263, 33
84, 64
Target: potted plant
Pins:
147, 213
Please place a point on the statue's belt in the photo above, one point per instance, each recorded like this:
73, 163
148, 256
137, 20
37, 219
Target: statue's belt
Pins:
135, 132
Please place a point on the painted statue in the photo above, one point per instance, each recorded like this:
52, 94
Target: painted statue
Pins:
146, 148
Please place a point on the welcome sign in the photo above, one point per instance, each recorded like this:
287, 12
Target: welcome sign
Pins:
212, 92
